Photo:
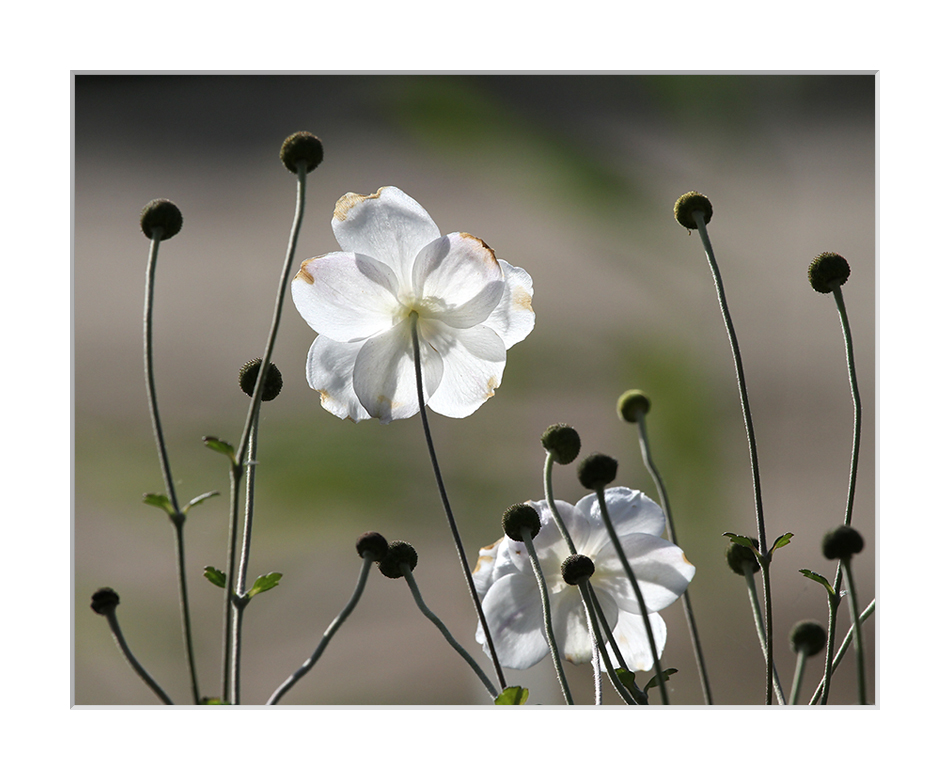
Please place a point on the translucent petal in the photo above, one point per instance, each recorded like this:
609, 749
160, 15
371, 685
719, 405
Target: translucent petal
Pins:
384, 377
631, 512
631, 636
661, 569
513, 610
457, 280
570, 623
513, 317
330, 373
474, 361
346, 297
388, 225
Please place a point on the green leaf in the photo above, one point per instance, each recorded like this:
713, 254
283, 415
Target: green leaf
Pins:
781, 542
215, 576
160, 500
219, 445
812, 575
628, 679
264, 582
212, 700
667, 673
513, 694
745, 541
200, 499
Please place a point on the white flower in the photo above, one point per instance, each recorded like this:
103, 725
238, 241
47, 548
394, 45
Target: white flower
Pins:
471, 307
506, 584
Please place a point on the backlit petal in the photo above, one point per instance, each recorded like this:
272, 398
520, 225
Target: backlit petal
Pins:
631, 636
346, 297
388, 225
474, 360
330, 373
516, 621
513, 317
661, 569
384, 377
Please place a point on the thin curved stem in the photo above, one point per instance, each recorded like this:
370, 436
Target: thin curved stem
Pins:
667, 510
750, 435
608, 524
133, 662
799, 674
855, 397
327, 635
587, 594
179, 526
447, 507
858, 637
834, 599
407, 573
868, 611
760, 628
546, 612
549, 498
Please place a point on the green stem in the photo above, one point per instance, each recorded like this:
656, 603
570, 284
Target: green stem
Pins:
133, 662
546, 611
407, 573
750, 435
608, 524
855, 397
760, 629
240, 588
834, 599
549, 497
845, 643
665, 503
587, 594
453, 527
230, 583
799, 674
858, 637
327, 635
178, 517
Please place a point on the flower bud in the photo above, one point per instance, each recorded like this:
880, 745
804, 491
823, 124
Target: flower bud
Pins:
273, 382
563, 442
630, 403
104, 601
738, 555
302, 147
372, 545
163, 214
827, 271
808, 637
519, 517
687, 204
597, 471
398, 554
577, 569
842, 542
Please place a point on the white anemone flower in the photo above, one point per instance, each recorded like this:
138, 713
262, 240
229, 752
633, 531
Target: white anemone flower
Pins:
506, 584
397, 271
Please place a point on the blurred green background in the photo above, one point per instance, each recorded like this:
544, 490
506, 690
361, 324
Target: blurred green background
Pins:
572, 177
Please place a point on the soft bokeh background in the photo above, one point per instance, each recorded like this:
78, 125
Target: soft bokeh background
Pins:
572, 178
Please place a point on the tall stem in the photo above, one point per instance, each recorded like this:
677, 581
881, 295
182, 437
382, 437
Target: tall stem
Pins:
133, 661
750, 435
447, 507
760, 628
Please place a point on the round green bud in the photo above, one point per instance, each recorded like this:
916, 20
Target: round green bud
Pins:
689, 203
808, 637
163, 215
372, 545
842, 542
577, 569
827, 271
519, 517
104, 601
398, 554
302, 147
563, 442
273, 382
630, 403
738, 556
597, 471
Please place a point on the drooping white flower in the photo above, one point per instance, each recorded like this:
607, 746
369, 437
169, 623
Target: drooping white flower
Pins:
506, 584
471, 308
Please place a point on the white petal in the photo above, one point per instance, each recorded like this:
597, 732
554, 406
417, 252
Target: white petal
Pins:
346, 297
388, 225
571, 629
661, 569
330, 373
494, 562
384, 375
513, 317
474, 360
457, 280
513, 611
631, 636
631, 512
549, 544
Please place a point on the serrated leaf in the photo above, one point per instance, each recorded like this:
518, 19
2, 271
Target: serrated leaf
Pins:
216, 576
781, 541
667, 673
264, 582
629, 681
219, 445
813, 575
513, 694
160, 500
200, 499
745, 541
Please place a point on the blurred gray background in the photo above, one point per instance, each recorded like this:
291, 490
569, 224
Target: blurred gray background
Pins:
571, 177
